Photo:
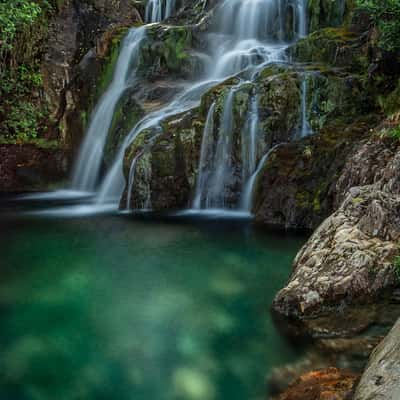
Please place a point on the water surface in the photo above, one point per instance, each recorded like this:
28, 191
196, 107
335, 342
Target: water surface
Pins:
117, 307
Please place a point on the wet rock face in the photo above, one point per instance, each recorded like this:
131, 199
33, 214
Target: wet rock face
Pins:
296, 188
79, 35
164, 163
349, 259
381, 379
166, 52
327, 384
323, 13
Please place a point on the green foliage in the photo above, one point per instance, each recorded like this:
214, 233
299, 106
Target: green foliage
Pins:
20, 112
23, 27
386, 16
15, 15
391, 133
397, 266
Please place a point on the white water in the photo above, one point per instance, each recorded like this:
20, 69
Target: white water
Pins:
131, 180
249, 140
251, 35
205, 154
87, 168
158, 10
245, 37
248, 192
220, 172
306, 129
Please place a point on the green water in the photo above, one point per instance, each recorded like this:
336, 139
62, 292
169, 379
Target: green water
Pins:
110, 307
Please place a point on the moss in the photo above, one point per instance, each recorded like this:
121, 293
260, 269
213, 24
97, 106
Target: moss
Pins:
396, 264
325, 13
109, 61
166, 50
41, 143
126, 115
334, 46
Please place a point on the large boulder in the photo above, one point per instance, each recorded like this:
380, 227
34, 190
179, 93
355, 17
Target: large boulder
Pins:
349, 259
381, 379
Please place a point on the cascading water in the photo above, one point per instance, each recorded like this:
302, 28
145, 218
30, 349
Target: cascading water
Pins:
246, 38
220, 173
249, 140
305, 129
251, 35
206, 151
158, 10
248, 191
87, 168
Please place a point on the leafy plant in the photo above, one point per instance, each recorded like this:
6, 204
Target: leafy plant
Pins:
14, 16
391, 133
386, 16
397, 267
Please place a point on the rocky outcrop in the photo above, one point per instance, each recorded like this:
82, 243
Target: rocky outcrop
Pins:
296, 188
164, 164
349, 259
377, 162
381, 379
327, 384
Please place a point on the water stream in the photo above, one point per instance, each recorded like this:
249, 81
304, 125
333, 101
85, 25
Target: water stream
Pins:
244, 36
87, 168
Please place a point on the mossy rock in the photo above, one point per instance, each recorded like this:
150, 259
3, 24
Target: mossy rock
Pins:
127, 114
164, 175
337, 47
328, 13
296, 188
166, 51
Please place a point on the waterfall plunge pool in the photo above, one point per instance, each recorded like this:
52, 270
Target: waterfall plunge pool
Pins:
142, 308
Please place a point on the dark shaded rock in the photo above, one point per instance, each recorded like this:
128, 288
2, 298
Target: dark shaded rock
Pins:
165, 162
325, 13
297, 184
30, 167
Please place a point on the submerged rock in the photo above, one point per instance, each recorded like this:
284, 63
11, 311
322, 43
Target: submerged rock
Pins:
327, 384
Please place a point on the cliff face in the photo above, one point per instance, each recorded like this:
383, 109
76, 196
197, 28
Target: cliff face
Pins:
55, 72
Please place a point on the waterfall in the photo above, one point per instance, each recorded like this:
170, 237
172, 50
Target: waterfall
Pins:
158, 10
205, 154
246, 35
220, 174
302, 19
305, 129
248, 192
131, 181
249, 140
87, 168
